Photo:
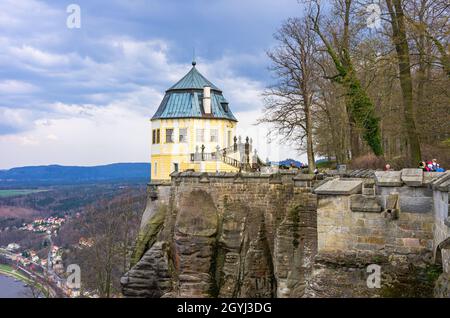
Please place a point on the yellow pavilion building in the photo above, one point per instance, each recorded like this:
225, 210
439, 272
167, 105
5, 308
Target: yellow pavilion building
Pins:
194, 129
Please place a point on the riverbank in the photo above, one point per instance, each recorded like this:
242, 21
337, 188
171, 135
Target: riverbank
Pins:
9, 271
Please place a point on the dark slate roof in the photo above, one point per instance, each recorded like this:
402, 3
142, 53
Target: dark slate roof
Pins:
193, 80
185, 99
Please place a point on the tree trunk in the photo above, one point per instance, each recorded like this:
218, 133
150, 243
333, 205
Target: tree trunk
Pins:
354, 141
309, 137
360, 108
402, 49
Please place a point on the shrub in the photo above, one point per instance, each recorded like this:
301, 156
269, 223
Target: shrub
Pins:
368, 161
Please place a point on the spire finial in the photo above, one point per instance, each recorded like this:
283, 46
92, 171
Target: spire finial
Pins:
193, 58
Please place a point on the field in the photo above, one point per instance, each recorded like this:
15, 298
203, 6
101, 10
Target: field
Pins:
17, 192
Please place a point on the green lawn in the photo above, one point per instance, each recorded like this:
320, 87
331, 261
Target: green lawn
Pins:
8, 270
17, 192
326, 164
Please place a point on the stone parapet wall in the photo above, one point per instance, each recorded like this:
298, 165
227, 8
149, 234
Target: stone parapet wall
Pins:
441, 199
340, 229
259, 234
394, 213
352, 212
225, 235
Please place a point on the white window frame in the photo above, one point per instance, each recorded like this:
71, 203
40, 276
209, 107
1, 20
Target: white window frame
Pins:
172, 139
197, 135
215, 135
185, 135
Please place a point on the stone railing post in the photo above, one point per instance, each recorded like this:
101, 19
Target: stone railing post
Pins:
196, 154
218, 153
247, 147
255, 157
241, 148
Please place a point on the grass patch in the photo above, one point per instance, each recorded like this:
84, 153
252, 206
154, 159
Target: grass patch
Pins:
11, 272
326, 164
8, 270
18, 192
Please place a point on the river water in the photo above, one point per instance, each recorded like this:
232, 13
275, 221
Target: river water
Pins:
10, 288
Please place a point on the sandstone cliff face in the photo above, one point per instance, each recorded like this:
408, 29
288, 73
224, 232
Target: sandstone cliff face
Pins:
225, 239
255, 235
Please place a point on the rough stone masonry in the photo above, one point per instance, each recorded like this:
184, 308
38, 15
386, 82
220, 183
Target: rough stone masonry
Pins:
289, 234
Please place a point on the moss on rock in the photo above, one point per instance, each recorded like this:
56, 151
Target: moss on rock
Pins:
147, 237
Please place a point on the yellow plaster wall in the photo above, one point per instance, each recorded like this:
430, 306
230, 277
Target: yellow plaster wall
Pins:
164, 155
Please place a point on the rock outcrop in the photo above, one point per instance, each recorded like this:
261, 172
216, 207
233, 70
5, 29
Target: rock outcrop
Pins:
286, 235
232, 238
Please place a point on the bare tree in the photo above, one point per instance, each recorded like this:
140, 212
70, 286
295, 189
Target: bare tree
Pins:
111, 226
385, 86
360, 108
429, 23
290, 102
399, 38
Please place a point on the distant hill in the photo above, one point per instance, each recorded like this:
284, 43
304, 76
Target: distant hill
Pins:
56, 174
289, 163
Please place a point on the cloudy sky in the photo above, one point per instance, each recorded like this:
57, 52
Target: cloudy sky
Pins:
84, 96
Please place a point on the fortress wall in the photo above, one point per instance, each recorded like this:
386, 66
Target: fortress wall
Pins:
269, 195
227, 235
342, 230
441, 244
411, 199
347, 221
285, 234
404, 212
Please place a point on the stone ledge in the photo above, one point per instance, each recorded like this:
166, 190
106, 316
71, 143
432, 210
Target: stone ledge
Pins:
439, 182
304, 180
340, 187
429, 176
412, 177
388, 178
